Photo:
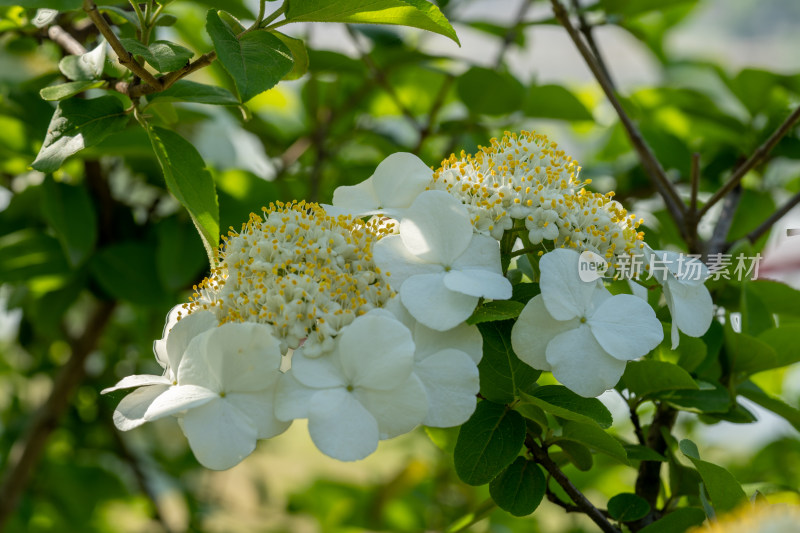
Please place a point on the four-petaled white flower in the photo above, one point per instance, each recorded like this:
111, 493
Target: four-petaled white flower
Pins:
169, 351
225, 392
360, 393
579, 331
439, 266
397, 181
682, 278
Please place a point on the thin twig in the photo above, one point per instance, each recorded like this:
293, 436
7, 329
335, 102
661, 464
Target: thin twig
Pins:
586, 30
695, 179
62, 38
717, 243
125, 58
553, 498
646, 155
434, 112
755, 158
28, 449
637, 424
512, 32
762, 228
541, 456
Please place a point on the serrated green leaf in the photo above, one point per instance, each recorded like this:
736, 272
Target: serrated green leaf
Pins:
496, 310
256, 62
69, 211
648, 376
677, 521
628, 507
725, 492
562, 402
488, 442
65, 90
163, 56
77, 125
554, 101
503, 376
414, 13
486, 91
594, 438
191, 91
520, 488
190, 182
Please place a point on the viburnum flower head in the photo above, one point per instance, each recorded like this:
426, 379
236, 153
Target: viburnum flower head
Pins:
360, 393
394, 186
682, 278
169, 351
579, 331
440, 267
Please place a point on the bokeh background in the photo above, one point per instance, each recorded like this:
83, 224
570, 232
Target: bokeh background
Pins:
707, 76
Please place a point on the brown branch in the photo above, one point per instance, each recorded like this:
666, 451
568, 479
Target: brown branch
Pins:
717, 243
764, 227
646, 155
168, 80
695, 180
512, 32
586, 30
648, 481
755, 158
28, 449
583, 504
62, 38
125, 58
637, 424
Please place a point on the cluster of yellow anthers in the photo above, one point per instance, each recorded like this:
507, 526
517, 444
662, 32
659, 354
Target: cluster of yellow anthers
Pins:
525, 177
297, 269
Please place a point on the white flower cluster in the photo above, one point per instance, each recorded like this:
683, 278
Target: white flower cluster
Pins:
365, 302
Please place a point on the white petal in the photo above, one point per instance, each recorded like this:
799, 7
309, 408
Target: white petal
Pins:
177, 399
400, 178
130, 411
138, 380
436, 228
392, 257
626, 327
534, 330
318, 372
376, 352
433, 304
292, 398
184, 331
220, 435
483, 252
463, 337
638, 290
480, 283
340, 426
160, 346
565, 294
692, 308
581, 364
260, 408
450, 378
398, 410
356, 198
687, 270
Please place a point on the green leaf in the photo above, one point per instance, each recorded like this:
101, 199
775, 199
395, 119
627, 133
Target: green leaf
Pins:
190, 182
784, 341
594, 438
166, 20
414, 13
689, 353
562, 402
299, 54
577, 454
486, 91
488, 442
191, 91
648, 376
747, 354
28, 254
88, 66
628, 507
520, 488
69, 211
677, 521
496, 310
752, 392
710, 398
78, 124
637, 452
256, 62
725, 492
756, 317
128, 16
533, 413
554, 101
503, 375
163, 56
179, 258
127, 271
779, 297
444, 438
65, 90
